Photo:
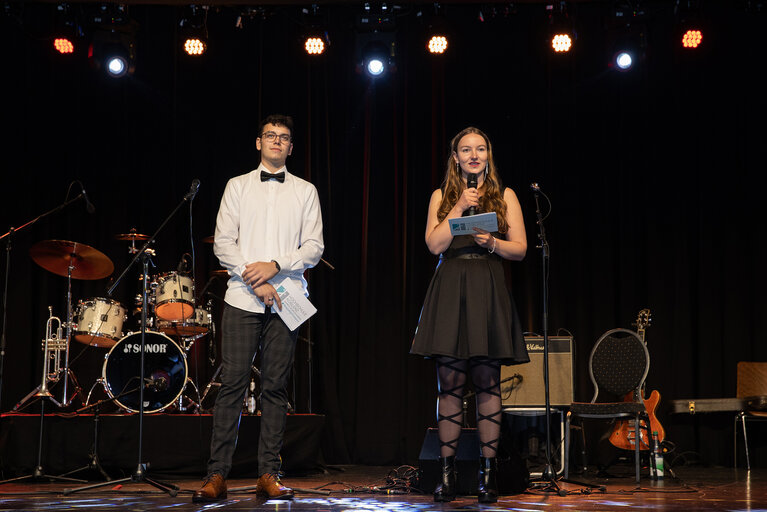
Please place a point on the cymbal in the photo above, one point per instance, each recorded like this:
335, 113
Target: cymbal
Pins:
131, 236
219, 273
57, 255
208, 239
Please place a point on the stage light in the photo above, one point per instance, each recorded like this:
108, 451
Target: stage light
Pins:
63, 45
692, 39
561, 43
624, 61
561, 31
437, 44
68, 29
375, 42
117, 66
314, 46
114, 52
375, 59
195, 46
194, 30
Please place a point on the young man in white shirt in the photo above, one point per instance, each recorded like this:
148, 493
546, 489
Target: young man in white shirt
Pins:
269, 227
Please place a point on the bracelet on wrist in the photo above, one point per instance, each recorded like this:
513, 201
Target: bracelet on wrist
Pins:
491, 251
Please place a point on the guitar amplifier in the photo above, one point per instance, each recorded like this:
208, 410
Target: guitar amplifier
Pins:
525, 387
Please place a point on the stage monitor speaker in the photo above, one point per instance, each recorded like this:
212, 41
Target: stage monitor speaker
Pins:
525, 386
513, 475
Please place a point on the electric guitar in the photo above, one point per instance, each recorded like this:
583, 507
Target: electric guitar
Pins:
623, 435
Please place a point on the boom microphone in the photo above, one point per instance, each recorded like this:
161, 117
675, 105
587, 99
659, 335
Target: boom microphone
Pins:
88, 205
192, 190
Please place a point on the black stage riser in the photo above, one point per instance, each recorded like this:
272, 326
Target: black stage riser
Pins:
176, 446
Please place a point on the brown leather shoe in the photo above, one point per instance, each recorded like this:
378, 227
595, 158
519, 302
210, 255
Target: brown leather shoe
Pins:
269, 485
213, 489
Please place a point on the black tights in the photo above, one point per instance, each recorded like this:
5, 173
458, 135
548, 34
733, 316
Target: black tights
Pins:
451, 379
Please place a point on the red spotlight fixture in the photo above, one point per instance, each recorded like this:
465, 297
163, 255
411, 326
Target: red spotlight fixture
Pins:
692, 38
63, 45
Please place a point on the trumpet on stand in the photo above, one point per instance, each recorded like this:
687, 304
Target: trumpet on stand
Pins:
53, 345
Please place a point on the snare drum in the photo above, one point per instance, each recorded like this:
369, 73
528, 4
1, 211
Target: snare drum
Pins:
174, 297
99, 322
165, 371
196, 326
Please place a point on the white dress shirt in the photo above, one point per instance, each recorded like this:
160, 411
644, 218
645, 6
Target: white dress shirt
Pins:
265, 221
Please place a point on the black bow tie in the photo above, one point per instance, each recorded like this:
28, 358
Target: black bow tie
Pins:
266, 176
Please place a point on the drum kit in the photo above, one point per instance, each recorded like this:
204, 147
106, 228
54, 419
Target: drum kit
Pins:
174, 323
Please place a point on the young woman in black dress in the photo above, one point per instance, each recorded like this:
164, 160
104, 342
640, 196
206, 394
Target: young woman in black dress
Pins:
469, 323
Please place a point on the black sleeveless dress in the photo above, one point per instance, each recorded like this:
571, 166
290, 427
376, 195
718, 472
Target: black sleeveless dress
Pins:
468, 311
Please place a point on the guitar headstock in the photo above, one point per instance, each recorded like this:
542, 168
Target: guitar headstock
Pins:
644, 319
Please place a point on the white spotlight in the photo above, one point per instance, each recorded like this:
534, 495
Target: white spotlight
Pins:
624, 61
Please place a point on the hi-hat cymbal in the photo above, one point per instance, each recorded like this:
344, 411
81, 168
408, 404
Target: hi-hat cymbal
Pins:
58, 255
208, 239
131, 236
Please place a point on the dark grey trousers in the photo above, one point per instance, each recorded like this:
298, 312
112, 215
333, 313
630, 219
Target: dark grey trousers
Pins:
242, 331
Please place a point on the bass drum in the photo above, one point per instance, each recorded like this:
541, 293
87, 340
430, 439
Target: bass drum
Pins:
165, 372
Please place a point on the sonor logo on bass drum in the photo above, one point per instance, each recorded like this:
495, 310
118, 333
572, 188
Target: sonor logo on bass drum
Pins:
149, 348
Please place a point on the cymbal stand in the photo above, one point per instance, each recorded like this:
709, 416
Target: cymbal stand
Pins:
140, 475
52, 347
9, 236
68, 373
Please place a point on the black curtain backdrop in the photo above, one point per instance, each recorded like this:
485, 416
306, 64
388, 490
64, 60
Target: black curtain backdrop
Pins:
655, 178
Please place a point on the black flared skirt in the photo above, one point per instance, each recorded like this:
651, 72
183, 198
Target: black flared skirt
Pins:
468, 312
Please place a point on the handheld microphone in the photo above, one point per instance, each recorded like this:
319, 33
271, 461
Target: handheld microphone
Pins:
88, 205
471, 182
192, 190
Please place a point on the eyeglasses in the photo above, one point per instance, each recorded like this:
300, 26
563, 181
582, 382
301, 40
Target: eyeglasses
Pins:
271, 136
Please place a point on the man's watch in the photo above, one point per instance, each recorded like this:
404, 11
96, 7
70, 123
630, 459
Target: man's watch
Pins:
277, 265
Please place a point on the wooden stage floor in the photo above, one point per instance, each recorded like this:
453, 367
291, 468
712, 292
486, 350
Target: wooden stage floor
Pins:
352, 488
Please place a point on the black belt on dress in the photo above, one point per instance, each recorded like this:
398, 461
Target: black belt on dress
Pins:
466, 255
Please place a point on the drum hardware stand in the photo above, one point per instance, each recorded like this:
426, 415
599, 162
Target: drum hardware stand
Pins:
93, 457
180, 405
211, 384
52, 347
140, 475
9, 236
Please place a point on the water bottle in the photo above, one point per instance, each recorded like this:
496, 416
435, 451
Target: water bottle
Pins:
656, 464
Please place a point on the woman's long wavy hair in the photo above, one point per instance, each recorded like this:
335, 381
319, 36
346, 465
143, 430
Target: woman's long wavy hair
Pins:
492, 189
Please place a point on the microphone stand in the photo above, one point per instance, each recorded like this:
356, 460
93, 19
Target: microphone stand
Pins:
140, 474
548, 481
9, 236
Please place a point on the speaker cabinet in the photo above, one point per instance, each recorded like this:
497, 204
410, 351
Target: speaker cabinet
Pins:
525, 387
512, 477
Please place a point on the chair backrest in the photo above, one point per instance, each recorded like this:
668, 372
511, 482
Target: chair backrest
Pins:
618, 363
752, 379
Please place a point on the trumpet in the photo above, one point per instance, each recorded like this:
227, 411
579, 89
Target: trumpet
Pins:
53, 345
